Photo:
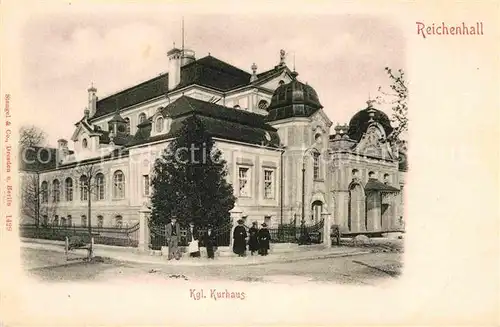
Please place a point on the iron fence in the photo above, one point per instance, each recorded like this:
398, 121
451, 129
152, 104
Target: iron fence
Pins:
158, 236
118, 236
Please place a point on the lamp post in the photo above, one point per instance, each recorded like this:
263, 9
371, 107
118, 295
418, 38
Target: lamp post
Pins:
311, 148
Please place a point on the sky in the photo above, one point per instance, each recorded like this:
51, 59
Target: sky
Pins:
341, 56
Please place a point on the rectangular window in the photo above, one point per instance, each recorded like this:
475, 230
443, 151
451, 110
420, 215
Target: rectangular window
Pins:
84, 221
146, 185
316, 174
244, 181
268, 184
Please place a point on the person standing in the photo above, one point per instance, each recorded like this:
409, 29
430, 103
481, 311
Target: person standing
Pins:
173, 231
210, 242
192, 237
264, 238
239, 239
253, 242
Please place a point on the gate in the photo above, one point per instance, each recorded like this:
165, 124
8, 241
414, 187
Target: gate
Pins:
312, 234
303, 234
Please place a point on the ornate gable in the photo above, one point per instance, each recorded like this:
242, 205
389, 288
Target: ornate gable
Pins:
373, 143
83, 127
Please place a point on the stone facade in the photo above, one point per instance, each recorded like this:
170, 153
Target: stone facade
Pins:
337, 168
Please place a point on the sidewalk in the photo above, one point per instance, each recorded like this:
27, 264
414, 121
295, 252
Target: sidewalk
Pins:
303, 253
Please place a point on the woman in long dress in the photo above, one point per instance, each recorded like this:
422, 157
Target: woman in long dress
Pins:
210, 243
239, 236
192, 237
264, 238
253, 242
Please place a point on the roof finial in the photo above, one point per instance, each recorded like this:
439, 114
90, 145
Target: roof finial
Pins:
282, 57
254, 73
370, 101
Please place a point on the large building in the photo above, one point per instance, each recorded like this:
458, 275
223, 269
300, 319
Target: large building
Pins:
268, 125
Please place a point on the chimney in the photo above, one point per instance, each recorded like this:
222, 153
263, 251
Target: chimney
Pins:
62, 150
86, 113
92, 100
188, 56
174, 67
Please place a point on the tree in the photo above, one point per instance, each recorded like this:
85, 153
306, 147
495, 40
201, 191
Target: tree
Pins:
32, 206
189, 180
88, 174
31, 136
397, 98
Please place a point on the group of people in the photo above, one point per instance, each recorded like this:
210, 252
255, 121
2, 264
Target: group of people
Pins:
257, 239
173, 232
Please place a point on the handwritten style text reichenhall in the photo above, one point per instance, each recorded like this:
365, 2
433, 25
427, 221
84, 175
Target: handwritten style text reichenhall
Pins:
445, 29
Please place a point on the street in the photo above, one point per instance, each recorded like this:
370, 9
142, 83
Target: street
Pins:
359, 269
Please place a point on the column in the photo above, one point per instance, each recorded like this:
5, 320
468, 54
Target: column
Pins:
144, 214
326, 228
236, 214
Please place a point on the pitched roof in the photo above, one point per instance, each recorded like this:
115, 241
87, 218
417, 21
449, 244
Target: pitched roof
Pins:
213, 73
219, 121
374, 184
186, 105
144, 91
207, 71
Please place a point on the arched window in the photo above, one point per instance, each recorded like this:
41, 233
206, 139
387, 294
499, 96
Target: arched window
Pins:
83, 188
85, 143
70, 221
84, 221
387, 179
63, 221
371, 174
56, 191
262, 104
119, 221
317, 209
281, 82
237, 106
142, 118
55, 222
118, 185
159, 124
354, 173
127, 126
68, 188
45, 192
100, 186
100, 221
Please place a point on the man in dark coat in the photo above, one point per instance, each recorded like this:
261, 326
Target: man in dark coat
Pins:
239, 239
173, 231
253, 242
264, 238
210, 242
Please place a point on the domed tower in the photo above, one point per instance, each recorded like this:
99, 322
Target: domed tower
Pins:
294, 99
362, 119
296, 112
